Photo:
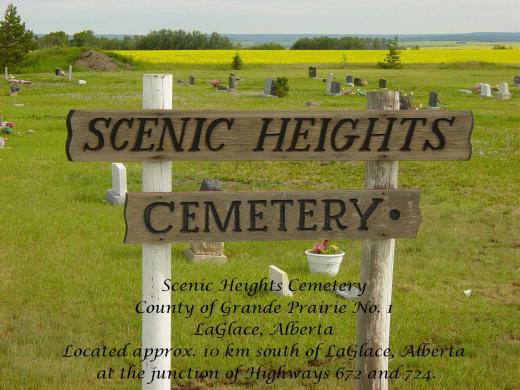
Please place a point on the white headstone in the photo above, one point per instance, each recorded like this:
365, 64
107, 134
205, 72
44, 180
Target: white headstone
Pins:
2, 142
503, 91
269, 87
485, 90
82, 82
280, 282
329, 83
117, 194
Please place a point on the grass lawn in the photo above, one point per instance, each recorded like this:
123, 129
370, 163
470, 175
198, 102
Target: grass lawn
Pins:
67, 277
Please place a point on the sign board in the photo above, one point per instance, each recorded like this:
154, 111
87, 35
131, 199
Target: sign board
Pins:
284, 215
173, 135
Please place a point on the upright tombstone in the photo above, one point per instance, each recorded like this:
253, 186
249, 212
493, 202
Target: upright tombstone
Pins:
156, 260
312, 72
328, 84
191, 80
485, 90
232, 81
433, 101
516, 81
204, 251
6, 71
349, 80
117, 194
280, 282
2, 142
335, 88
57, 71
382, 83
70, 72
358, 82
503, 92
269, 87
377, 264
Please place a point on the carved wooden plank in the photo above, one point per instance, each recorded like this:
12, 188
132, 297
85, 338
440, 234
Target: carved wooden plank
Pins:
162, 135
243, 216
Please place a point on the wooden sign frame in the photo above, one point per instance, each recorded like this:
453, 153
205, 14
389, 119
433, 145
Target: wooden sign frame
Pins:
177, 135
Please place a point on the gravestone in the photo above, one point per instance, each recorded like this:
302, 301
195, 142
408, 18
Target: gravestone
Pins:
312, 72
269, 87
358, 82
433, 99
2, 142
117, 194
335, 88
516, 81
280, 282
191, 80
206, 251
405, 102
503, 92
232, 81
57, 71
328, 83
382, 83
485, 90
349, 80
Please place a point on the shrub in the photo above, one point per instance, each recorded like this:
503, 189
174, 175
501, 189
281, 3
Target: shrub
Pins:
393, 58
281, 87
237, 62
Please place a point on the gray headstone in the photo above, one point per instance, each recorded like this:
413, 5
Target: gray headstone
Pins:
335, 88
232, 82
57, 71
516, 81
269, 87
312, 71
191, 80
349, 79
358, 82
117, 194
485, 90
382, 83
405, 102
210, 185
503, 91
433, 99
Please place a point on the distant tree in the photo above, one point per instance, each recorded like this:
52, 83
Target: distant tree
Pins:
268, 46
342, 43
343, 62
416, 47
85, 39
237, 62
15, 40
393, 57
53, 39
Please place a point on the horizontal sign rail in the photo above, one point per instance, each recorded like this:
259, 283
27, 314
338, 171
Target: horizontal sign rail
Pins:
160, 135
284, 215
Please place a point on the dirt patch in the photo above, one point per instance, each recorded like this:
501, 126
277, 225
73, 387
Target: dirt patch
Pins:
92, 60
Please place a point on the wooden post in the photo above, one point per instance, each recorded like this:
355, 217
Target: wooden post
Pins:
70, 72
377, 265
156, 263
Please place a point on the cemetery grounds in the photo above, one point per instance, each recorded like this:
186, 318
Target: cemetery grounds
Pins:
67, 277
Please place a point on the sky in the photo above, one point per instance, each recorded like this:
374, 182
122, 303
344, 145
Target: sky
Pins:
271, 16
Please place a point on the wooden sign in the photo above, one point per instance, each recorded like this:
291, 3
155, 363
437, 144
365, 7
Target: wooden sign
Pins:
248, 216
160, 135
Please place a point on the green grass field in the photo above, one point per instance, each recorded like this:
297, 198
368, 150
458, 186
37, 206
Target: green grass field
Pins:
67, 277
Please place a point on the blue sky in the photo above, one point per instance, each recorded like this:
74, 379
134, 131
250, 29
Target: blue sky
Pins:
271, 16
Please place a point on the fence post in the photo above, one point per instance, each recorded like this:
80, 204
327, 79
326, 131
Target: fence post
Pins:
156, 261
377, 266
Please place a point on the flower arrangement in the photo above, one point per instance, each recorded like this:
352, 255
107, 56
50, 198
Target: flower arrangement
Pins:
6, 127
325, 248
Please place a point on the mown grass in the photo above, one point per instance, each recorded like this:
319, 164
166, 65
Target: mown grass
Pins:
67, 278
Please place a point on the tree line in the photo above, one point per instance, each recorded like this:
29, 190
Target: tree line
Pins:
341, 43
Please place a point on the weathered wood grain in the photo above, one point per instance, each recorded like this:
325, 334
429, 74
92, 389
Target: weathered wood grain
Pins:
248, 216
163, 135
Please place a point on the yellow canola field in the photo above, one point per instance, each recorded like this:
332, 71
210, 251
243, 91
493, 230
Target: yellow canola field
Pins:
435, 56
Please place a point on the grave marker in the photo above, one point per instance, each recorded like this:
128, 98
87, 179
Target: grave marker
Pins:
382, 83
117, 194
6, 73
349, 80
503, 92
269, 87
70, 72
207, 250
280, 282
516, 81
485, 90
328, 84
358, 82
335, 88
232, 83
433, 100
191, 80
312, 72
